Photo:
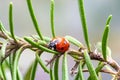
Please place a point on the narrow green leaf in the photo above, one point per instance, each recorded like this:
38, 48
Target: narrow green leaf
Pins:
90, 66
104, 42
56, 68
28, 72
109, 19
19, 75
34, 20
33, 70
47, 39
11, 65
3, 72
38, 41
80, 75
15, 65
74, 41
40, 46
44, 67
83, 20
52, 17
65, 68
4, 30
2, 51
6, 63
11, 21
2, 54
51, 74
41, 42
99, 67
80, 71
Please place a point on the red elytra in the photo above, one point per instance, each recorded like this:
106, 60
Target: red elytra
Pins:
59, 44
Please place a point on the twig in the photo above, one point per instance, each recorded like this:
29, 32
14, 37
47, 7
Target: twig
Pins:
103, 70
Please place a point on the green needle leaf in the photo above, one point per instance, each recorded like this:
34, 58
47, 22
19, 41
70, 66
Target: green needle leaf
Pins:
40, 46
52, 17
11, 21
2, 66
11, 65
104, 42
2, 51
4, 30
47, 39
105, 49
42, 64
79, 75
56, 67
65, 68
19, 75
31, 11
15, 63
99, 67
83, 20
90, 67
3, 72
33, 70
109, 19
2, 54
51, 74
74, 41
27, 75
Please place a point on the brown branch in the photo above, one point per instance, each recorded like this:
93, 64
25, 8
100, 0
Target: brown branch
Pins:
103, 70
96, 56
113, 64
2, 35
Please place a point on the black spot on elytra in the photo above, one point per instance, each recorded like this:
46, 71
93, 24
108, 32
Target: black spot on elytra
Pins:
62, 48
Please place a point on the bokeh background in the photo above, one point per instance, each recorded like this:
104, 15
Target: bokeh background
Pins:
67, 22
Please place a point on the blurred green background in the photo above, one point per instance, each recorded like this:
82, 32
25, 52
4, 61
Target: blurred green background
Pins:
67, 22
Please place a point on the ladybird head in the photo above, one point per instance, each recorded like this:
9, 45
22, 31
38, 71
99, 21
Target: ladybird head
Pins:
52, 44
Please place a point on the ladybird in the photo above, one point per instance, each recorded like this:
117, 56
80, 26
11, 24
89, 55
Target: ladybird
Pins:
59, 44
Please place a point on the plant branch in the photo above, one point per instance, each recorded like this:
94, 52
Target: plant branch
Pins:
103, 70
11, 46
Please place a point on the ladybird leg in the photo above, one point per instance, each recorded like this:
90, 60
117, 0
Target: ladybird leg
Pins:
53, 59
74, 68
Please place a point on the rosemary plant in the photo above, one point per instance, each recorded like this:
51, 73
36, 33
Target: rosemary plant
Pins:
13, 46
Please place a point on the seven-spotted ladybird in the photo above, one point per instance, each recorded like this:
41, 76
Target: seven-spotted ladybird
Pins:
59, 44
